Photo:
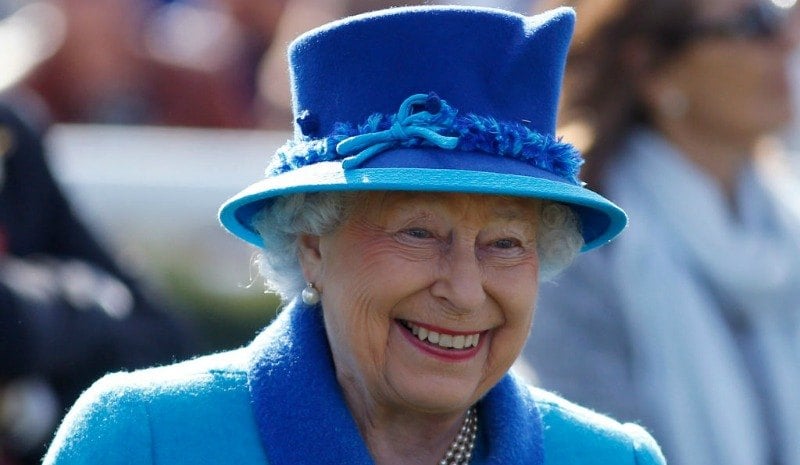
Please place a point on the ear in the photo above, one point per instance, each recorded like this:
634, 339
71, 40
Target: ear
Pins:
665, 99
650, 93
647, 76
310, 257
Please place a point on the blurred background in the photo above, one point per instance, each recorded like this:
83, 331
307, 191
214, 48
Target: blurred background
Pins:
153, 112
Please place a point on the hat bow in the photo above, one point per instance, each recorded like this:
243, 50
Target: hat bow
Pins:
419, 117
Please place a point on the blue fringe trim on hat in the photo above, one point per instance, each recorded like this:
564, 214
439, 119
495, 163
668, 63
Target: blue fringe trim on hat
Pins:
427, 121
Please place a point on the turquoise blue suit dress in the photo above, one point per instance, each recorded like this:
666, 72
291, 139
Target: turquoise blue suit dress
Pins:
277, 402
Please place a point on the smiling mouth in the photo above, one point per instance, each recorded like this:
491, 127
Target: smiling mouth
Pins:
443, 340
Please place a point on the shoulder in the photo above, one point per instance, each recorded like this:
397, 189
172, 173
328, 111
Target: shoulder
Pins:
574, 434
166, 412
202, 377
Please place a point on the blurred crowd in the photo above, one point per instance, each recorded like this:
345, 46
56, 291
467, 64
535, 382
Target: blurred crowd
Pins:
147, 62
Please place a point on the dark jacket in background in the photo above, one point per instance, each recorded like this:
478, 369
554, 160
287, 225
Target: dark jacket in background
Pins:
68, 312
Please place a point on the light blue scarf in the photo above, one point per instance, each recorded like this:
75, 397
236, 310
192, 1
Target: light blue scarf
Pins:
303, 418
693, 269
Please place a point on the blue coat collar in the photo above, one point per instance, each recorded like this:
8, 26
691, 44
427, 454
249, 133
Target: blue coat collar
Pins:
300, 408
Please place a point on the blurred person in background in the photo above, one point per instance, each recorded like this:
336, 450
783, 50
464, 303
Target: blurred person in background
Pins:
223, 40
140, 62
69, 312
93, 74
690, 322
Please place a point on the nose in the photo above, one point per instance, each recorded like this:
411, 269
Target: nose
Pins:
461, 279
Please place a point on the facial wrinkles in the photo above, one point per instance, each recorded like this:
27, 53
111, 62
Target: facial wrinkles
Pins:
459, 279
359, 293
356, 333
502, 243
470, 244
377, 250
384, 277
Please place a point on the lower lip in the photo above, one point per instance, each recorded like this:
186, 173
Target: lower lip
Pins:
450, 355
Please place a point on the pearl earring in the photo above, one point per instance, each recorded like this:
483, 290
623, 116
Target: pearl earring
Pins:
310, 295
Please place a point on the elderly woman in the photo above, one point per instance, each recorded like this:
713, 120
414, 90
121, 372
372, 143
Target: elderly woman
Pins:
407, 245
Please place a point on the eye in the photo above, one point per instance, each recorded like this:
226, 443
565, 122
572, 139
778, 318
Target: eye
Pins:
418, 233
505, 250
506, 243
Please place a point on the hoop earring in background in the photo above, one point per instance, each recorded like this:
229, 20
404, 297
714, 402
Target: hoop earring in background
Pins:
310, 295
673, 103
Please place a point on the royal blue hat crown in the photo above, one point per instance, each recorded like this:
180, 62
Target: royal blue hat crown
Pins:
433, 98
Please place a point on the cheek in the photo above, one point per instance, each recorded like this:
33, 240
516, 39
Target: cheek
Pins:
522, 293
358, 339
362, 281
508, 340
516, 292
359, 295
516, 288
374, 275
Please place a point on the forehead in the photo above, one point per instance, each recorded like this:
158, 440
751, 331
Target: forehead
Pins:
502, 207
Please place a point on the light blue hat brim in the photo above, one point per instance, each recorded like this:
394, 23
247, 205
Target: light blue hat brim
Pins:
601, 220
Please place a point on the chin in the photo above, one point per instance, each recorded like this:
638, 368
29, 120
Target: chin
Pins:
768, 117
438, 395
778, 123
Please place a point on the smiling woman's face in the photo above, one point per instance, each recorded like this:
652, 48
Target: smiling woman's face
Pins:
427, 298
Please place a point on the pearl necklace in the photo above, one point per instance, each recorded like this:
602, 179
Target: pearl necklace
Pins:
460, 451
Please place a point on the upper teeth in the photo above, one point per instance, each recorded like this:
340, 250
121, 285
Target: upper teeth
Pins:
448, 341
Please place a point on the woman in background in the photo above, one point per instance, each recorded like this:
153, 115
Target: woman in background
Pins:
690, 323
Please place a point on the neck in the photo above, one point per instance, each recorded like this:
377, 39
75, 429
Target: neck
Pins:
391, 444
403, 436
721, 156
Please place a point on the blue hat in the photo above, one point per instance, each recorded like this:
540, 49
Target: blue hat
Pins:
432, 98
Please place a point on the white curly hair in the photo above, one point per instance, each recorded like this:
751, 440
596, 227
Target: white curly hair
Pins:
281, 222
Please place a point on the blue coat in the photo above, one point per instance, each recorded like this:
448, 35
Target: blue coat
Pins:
277, 401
